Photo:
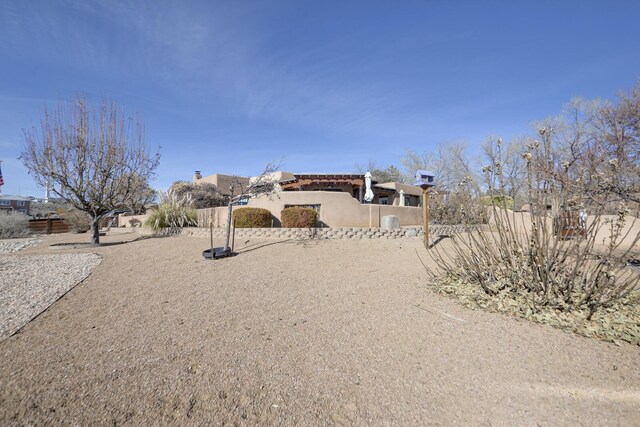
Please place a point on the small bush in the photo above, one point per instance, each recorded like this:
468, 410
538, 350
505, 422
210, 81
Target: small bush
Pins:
173, 213
135, 222
461, 207
78, 221
499, 200
297, 217
252, 218
13, 225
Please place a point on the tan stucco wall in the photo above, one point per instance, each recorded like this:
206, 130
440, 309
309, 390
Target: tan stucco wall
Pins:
631, 228
223, 182
336, 209
123, 220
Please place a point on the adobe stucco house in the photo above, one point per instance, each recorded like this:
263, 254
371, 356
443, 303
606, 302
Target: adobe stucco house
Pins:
337, 197
222, 182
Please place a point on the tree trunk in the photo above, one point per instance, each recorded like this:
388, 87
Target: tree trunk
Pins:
95, 230
226, 245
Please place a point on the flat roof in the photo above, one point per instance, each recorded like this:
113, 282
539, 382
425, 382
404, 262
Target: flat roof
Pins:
343, 175
10, 197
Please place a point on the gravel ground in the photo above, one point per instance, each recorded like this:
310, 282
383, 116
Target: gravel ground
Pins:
297, 333
30, 284
13, 245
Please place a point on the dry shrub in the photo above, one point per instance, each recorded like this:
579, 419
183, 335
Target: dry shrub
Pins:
527, 269
203, 194
252, 218
460, 207
13, 225
297, 217
78, 221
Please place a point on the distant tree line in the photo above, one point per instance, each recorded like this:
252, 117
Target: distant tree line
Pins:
593, 142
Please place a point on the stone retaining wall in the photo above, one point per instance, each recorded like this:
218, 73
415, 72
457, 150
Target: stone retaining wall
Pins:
328, 233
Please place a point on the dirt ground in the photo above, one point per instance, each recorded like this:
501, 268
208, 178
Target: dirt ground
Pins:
296, 333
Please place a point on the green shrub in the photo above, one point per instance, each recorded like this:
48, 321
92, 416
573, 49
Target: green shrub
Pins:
13, 225
252, 218
297, 217
173, 213
499, 200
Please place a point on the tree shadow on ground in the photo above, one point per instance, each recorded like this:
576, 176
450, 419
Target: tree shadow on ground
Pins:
440, 239
305, 243
260, 245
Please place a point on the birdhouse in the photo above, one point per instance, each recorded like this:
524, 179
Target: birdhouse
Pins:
425, 179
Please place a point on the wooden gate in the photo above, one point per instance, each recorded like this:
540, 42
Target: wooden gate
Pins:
568, 224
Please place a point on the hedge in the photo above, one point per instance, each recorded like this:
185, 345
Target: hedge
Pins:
297, 217
252, 218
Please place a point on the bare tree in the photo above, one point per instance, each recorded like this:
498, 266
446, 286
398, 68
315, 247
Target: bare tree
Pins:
514, 169
413, 161
262, 184
141, 195
449, 162
597, 146
618, 137
95, 156
204, 194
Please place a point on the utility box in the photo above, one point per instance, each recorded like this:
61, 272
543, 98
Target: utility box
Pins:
425, 179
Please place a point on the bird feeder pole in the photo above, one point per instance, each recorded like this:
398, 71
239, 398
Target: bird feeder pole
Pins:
425, 180
425, 214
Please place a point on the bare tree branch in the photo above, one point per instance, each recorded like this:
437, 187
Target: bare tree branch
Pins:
97, 159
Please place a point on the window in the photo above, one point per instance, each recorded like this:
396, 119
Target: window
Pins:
20, 203
24, 211
384, 200
5, 202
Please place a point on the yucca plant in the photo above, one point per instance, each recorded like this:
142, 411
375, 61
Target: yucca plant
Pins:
173, 213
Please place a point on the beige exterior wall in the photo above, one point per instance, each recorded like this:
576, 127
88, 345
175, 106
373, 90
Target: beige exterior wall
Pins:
631, 228
223, 182
336, 209
124, 220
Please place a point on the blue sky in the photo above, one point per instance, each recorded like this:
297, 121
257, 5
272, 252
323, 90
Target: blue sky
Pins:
225, 86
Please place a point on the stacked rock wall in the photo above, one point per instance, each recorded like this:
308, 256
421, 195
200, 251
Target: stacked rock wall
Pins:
327, 233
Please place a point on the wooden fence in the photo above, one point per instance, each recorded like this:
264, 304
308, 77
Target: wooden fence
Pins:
568, 224
48, 226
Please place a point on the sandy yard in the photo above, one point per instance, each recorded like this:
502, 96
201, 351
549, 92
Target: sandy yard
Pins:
296, 333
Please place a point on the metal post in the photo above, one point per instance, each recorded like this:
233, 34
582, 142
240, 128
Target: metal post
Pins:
233, 236
211, 234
